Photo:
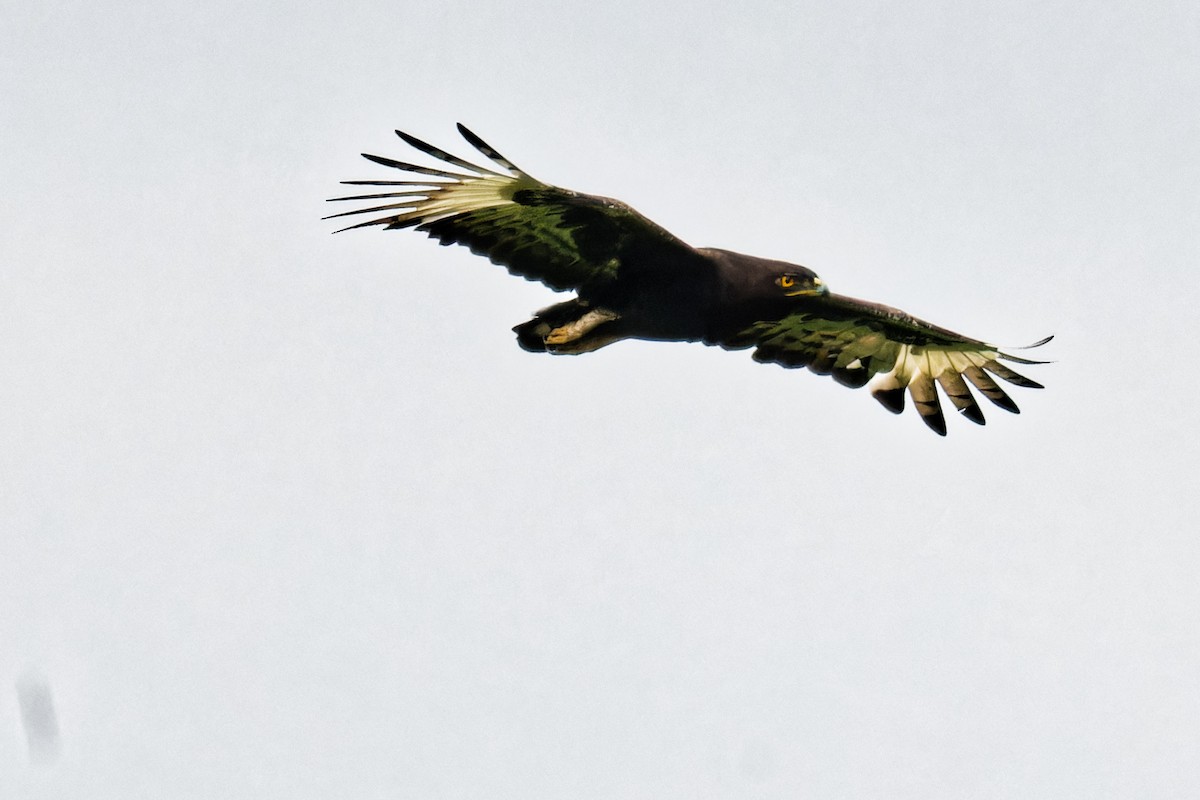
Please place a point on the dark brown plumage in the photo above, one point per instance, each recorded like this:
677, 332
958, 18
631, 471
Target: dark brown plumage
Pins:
633, 279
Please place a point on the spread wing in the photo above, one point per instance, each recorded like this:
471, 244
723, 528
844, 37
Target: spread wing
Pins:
856, 341
562, 238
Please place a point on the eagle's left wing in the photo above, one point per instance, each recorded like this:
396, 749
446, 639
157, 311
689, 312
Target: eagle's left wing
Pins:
855, 341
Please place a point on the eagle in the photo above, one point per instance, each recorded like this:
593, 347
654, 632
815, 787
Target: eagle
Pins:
632, 279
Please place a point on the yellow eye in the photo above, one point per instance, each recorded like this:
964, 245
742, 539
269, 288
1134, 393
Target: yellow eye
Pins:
786, 281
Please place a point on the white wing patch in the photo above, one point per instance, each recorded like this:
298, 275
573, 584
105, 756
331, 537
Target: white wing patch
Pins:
445, 194
918, 368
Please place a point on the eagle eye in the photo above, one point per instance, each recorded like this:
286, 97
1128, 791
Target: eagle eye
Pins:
786, 281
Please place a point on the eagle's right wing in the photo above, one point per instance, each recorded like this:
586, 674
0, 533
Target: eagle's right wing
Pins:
562, 238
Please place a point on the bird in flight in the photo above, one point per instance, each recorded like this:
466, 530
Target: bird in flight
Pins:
634, 280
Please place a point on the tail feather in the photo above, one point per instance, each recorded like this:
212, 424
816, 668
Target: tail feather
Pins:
531, 336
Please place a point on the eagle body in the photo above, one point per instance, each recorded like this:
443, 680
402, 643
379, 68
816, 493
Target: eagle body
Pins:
633, 279
708, 301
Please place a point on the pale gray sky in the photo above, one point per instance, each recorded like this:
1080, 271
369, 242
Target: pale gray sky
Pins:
289, 515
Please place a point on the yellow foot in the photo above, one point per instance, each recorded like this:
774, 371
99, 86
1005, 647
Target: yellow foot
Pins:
580, 327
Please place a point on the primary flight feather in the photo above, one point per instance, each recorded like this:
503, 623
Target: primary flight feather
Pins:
634, 280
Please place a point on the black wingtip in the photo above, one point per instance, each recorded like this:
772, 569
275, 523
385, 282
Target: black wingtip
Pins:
1022, 359
891, 399
383, 160
449, 158
854, 378
366, 224
412, 140
1015, 378
485, 148
1004, 401
974, 413
931, 413
469, 135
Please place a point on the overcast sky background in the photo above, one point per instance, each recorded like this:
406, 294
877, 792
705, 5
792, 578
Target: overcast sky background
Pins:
289, 515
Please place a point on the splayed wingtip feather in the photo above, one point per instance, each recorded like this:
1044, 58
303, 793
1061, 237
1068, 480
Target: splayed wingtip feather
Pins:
406, 167
442, 155
479, 144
